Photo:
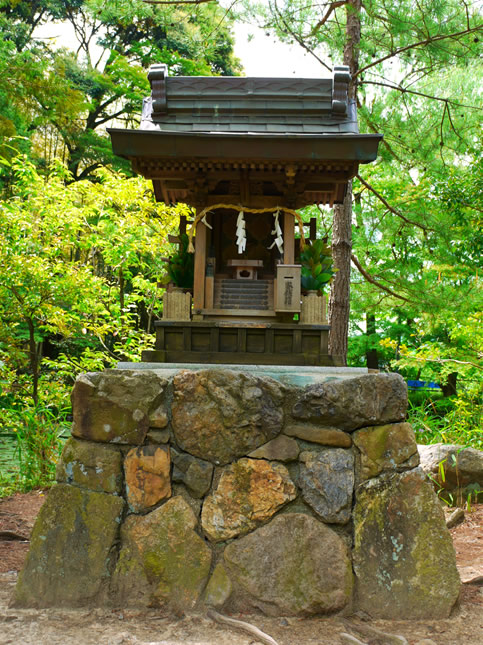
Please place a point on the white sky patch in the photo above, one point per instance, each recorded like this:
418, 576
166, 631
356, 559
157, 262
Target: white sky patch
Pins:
264, 56
260, 55
414, 174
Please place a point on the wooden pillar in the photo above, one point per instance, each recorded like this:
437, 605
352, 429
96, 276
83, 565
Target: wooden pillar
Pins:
288, 238
200, 268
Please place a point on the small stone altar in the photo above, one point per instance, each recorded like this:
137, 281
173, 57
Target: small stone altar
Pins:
234, 490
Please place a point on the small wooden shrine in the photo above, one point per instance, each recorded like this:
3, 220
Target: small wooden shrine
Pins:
245, 154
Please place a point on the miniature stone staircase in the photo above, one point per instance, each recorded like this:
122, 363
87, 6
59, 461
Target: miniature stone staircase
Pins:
243, 294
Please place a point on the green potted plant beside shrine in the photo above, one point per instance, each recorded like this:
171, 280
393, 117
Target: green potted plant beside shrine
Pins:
179, 278
181, 265
316, 273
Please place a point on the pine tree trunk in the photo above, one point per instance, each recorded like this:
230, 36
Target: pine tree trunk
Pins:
339, 294
339, 306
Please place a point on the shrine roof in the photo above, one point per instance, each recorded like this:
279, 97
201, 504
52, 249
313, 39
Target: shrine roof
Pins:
230, 104
227, 118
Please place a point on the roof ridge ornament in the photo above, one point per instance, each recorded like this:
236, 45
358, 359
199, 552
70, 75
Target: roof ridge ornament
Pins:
340, 89
157, 75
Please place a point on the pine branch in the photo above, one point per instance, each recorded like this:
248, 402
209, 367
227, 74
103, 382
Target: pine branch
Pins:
405, 90
332, 7
426, 41
390, 208
370, 279
299, 40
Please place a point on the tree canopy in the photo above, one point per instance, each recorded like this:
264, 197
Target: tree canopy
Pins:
61, 99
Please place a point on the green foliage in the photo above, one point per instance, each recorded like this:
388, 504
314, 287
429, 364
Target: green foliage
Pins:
80, 265
317, 268
457, 420
38, 432
181, 265
417, 229
62, 99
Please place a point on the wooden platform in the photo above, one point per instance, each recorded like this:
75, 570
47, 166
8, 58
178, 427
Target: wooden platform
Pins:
243, 343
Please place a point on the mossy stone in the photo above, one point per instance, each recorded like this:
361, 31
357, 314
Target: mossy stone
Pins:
403, 555
71, 549
219, 587
388, 447
162, 561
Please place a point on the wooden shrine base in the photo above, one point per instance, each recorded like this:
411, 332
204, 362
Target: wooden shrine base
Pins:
261, 343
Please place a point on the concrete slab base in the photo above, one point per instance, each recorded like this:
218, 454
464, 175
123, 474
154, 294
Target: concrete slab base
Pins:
287, 374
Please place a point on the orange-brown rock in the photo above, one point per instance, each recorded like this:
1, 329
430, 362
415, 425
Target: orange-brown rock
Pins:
147, 476
249, 492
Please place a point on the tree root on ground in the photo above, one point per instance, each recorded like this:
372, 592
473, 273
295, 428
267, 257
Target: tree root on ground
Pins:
241, 624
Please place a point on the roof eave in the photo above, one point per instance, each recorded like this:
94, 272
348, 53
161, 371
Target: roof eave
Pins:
219, 145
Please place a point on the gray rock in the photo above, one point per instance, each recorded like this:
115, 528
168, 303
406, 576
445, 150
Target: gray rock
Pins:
372, 399
91, 465
403, 554
280, 449
321, 435
157, 436
456, 517
219, 415
71, 549
292, 566
327, 483
115, 405
463, 469
194, 473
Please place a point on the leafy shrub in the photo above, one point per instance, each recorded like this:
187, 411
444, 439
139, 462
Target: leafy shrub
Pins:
317, 266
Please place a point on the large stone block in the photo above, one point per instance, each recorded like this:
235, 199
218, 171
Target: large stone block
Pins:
115, 405
147, 471
162, 561
403, 555
292, 566
388, 447
71, 549
372, 399
327, 483
220, 415
92, 466
249, 492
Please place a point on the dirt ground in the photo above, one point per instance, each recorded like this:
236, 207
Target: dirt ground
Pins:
152, 627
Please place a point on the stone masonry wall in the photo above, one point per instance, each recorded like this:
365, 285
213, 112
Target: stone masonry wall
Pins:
231, 490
